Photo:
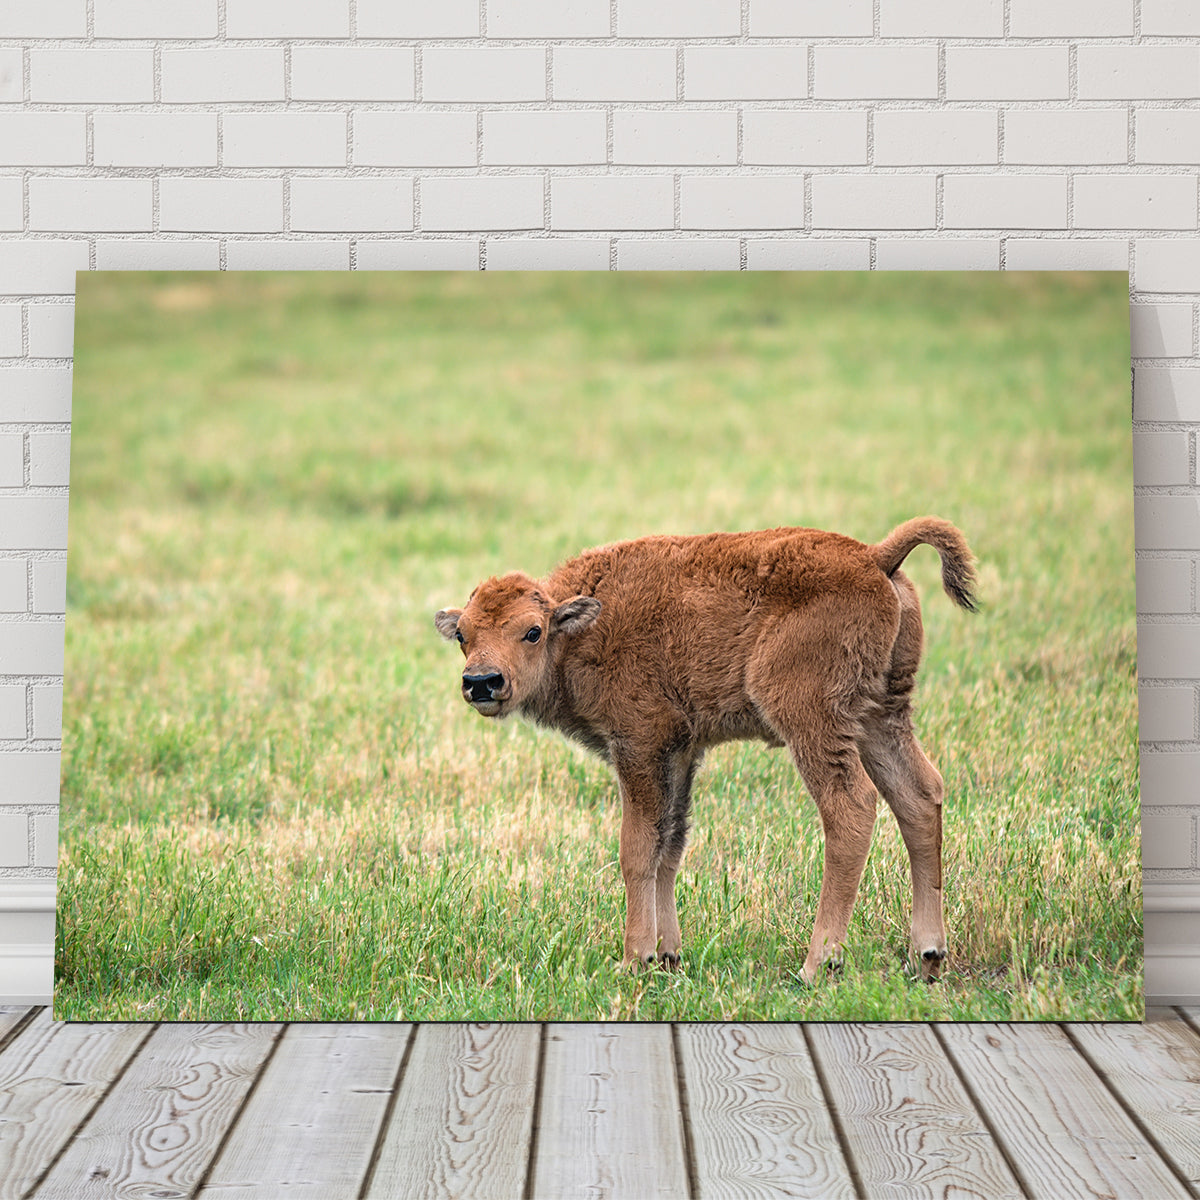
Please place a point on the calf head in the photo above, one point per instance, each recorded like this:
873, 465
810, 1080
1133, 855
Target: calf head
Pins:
509, 633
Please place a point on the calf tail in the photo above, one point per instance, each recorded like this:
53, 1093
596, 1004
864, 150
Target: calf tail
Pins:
958, 569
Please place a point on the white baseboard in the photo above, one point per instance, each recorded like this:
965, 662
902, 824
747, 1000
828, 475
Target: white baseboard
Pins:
26, 974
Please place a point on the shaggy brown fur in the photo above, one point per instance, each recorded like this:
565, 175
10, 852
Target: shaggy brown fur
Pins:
650, 651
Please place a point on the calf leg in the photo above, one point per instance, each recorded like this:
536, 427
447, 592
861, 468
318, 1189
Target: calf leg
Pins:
680, 770
913, 789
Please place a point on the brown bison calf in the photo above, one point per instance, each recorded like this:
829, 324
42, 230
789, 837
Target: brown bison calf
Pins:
650, 651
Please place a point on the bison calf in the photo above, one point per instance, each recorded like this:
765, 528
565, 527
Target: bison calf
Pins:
650, 651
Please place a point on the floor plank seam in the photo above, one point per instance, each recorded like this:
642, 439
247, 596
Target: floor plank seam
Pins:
15, 1032
1186, 1018
981, 1113
1143, 1129
535, 1116
835, 1117
685, 1117
68, 1142
388, 1109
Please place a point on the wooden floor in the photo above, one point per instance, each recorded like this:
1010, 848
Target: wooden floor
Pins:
601, 1111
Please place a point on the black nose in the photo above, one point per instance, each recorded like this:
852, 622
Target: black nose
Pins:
482, 687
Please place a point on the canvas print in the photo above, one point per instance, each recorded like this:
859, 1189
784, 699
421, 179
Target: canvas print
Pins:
649, 646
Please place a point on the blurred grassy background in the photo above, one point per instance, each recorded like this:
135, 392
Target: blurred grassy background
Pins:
275, 803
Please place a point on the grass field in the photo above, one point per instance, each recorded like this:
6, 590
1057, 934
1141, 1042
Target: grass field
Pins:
276, 805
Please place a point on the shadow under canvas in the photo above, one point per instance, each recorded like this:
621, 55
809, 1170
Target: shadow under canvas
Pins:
275, 804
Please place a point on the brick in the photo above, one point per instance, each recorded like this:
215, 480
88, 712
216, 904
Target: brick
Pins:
1164, 585
1167, 135
31, 394
47, 19
352, 205
1166, 394
1071, 18
11, 336
482, 202
547, 254
1168, 651
1168, 266
14, 840
12, 76
607, 202
1061, 137
1004, 201
1135, 201
287, 18
156, 18
31, 647
1161, 459
785, 137
12, 460
45, 839
745, 73
1167, 841
358, 73
12, 204
14, 585
679, 18
1065, 254
420, 254
91, 76
613, 73
169, 139
659, 254
547, 18
811, 18
941, 18
1161, 330
875, 72
12, 711
259, 255
43, 139
158, 255
874, 201
1007, 73
909, 137
51, 330
415, 139
1166, 714
937, 254
472, 74
418, 18
49, 459
656, 136
556, 138
219, 75
742, 202
49, 585
1138, 72
191, 204
109, 205
1169, 523
307, 139
29, 776
1170, 18
33, 523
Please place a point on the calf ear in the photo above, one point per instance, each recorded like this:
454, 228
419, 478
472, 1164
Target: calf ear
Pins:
576, 614
447, 622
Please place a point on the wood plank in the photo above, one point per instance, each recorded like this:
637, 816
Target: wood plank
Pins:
311, 1125
159, 1127
1155, 1069
11, 1017
51, 1076
610, 1124
909, 1124
1061, 1127
758, 1120
463, 1115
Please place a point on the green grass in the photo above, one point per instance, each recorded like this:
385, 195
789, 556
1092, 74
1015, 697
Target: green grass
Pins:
275, 804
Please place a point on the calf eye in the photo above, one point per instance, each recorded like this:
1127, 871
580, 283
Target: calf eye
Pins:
460, 637
533, 635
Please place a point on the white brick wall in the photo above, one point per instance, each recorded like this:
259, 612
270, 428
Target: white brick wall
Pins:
587, 135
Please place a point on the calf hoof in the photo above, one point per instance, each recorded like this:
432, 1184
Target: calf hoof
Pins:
931, 964
635, 963
812, 973
669, 962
